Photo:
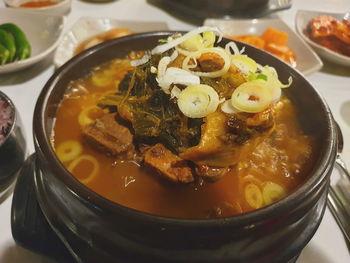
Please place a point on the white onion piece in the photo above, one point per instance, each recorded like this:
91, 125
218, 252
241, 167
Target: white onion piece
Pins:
252, 96
272, 77
198, 101
217, 50
174, 55
228, 108
193, 43
140, 61
183, 51
87, 158
153, 69
175, 92
177, 76
232, 45
290, 81
205, 43
181, 76
194, 65
276, 93
162, 65
244, 63
170, 44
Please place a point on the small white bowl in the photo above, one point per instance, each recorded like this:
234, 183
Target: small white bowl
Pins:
43, 33
61, 8
303, 17
87, 27
307, 60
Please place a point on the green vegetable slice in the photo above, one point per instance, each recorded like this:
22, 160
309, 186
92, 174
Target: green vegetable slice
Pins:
4, 55
23, 48
8, 41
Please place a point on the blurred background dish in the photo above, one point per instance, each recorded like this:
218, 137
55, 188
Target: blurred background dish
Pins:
51, 7
302, 20
42, 31
202, 9
88, 31
286, 45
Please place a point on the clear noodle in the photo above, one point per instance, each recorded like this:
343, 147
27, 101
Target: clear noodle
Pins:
69, 150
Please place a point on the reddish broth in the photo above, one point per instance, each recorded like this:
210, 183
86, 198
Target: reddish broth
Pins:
284, 158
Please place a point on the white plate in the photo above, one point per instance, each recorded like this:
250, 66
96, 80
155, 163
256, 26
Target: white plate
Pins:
43, 33
302, 19
87, 27
307, 60
61, 8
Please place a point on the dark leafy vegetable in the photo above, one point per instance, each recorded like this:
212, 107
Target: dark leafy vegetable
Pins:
153, 115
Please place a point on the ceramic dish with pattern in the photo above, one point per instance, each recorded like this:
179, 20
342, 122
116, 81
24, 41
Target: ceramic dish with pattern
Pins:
302, 20
307, 60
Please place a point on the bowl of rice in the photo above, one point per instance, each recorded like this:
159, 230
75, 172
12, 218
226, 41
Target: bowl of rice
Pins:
13, 146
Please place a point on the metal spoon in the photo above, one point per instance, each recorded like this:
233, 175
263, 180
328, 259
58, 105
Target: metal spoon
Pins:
339, 196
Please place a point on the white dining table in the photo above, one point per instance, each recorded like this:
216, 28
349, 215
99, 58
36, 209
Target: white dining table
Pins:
332, 81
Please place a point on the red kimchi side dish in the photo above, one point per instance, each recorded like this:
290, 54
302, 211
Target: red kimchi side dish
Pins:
187, 130
331, 33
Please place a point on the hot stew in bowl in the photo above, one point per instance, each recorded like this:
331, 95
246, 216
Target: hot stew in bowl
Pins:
182, 141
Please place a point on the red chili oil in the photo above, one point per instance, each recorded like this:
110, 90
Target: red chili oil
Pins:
34, 4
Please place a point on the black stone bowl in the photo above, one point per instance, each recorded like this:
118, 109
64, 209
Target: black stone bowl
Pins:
196, 11
95, 229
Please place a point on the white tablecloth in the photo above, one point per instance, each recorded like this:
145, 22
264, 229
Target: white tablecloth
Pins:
333, 82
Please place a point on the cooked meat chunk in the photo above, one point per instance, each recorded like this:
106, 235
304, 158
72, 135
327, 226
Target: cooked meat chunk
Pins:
235, 77
211, 174
210, 62
107, 135
225, 140
242, 127
168, 164
262, 120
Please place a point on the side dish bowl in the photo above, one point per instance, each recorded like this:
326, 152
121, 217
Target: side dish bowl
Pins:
87, 27
202, 9
307, 60
56, 7
98, 230
42, 31
303, 17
